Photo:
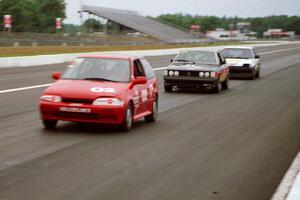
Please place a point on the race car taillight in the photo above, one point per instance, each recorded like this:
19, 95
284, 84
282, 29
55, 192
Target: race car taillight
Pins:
108, 102
51, 98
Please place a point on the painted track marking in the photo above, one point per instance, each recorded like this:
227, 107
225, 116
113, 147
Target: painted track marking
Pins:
24, 88
285, 190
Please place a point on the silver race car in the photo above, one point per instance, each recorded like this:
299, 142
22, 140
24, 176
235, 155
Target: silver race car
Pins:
243, 62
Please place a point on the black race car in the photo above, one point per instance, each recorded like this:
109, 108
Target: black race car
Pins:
197, 69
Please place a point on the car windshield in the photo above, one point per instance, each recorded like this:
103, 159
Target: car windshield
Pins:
196, 57
99, 69
238, 53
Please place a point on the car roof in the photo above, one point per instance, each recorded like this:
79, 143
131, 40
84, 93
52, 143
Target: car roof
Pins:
112, 56
212, 50
238, 47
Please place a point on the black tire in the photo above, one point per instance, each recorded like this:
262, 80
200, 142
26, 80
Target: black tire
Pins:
217, 88
50, 124
128, 119
253, 75
153, 116
168, 88
258, 73
225, 84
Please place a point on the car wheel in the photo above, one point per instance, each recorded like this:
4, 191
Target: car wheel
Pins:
168, 88
50, 124
128, 119
258, 74
217, 87
152, 117
253, 75
225, 84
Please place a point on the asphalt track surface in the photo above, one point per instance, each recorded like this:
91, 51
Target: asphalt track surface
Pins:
236, 145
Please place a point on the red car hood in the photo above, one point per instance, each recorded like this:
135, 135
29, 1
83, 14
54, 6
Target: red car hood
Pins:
86, 89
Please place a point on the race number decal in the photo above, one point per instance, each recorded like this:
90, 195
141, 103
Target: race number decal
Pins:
105, 90
144, 95
151, 90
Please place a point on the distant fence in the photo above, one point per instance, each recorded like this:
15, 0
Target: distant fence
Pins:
19, 43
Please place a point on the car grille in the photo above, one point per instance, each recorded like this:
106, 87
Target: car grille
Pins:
74, 100
188, 73
243, 69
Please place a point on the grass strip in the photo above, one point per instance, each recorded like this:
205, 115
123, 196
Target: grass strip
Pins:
50, 50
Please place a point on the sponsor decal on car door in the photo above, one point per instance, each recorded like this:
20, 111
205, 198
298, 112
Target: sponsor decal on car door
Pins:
223, 73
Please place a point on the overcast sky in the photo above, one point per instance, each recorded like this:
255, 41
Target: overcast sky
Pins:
242, 8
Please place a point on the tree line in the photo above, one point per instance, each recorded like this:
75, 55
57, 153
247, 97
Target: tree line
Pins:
33, 15
258, 24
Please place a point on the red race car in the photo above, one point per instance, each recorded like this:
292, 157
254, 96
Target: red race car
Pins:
116, 90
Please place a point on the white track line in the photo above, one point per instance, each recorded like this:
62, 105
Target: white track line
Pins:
280, 50
48, 84
285, 190
155, 69
24, 88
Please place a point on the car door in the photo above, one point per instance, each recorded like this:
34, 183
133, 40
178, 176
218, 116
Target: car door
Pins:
141, 93
223, 68
151, 83
256, 60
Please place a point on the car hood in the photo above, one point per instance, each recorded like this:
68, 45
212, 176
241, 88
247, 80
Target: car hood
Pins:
240, 62
194, 67
86, 89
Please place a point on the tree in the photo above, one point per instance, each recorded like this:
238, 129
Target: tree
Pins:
258, 24
93, 25
33, 15
22, 13
47, 12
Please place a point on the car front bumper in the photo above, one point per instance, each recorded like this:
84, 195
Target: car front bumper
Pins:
182, 81
240, 71
82, 113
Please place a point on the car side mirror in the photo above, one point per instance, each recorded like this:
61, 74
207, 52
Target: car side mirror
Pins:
171, 61
56, 75
257, 56
139, 80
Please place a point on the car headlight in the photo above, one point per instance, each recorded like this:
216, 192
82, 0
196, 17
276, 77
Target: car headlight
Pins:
51, 98
176, 73
108, 102
171, 73
201, 74
166, 73
206, 74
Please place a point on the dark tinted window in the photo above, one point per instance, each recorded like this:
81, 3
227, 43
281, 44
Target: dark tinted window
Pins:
138, 68
221, 59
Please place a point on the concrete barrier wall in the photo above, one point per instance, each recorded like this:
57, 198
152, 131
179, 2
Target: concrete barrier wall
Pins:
27, 61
